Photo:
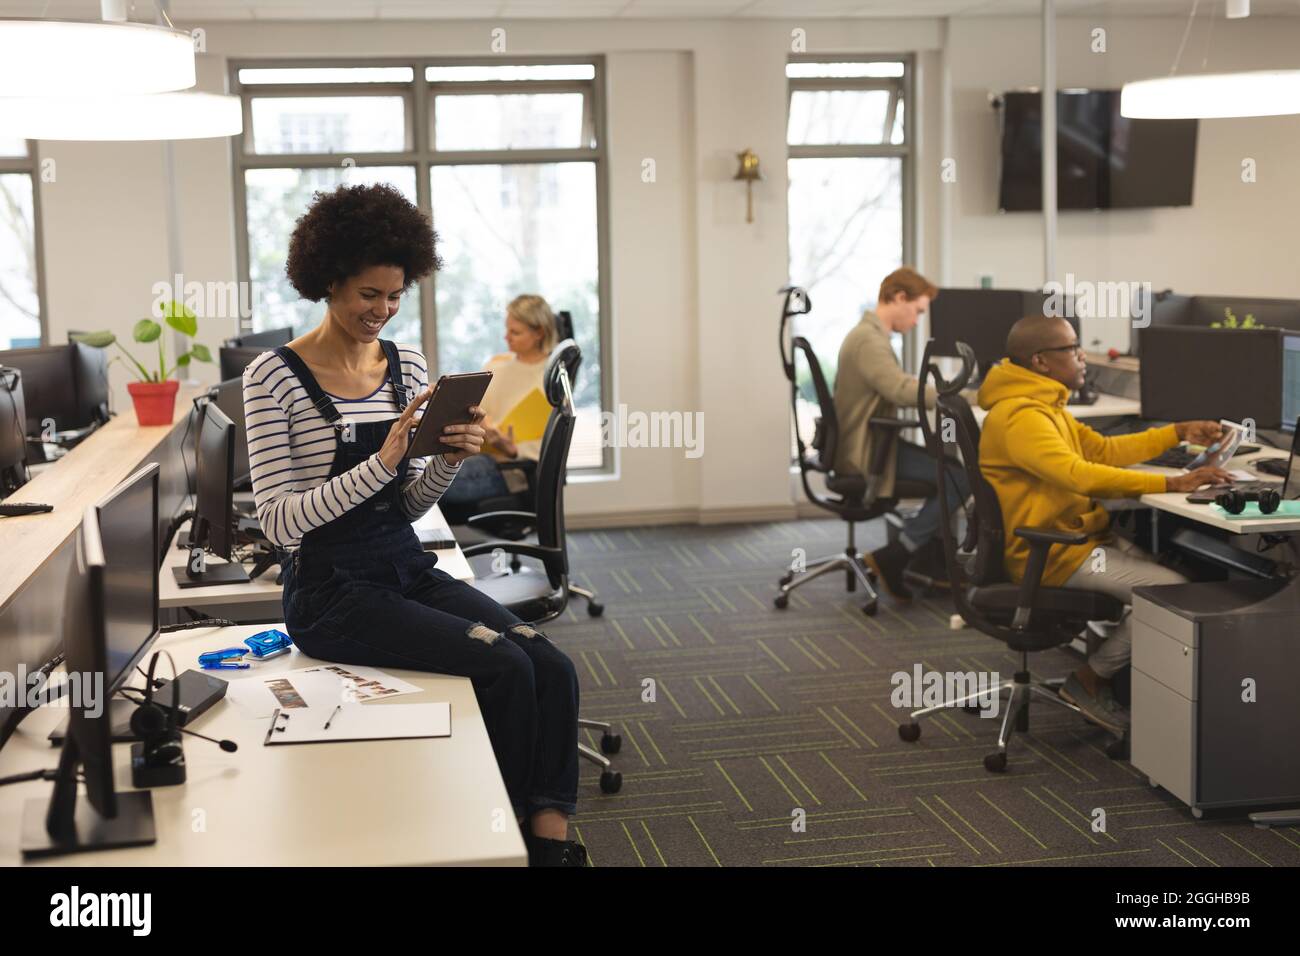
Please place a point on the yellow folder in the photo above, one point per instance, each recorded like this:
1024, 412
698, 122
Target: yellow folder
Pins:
529, 416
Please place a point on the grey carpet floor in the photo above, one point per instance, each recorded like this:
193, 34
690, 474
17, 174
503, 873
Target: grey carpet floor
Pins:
771, 740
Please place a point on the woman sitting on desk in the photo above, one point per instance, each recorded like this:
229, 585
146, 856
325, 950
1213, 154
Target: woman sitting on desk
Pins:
516, 385
329, 422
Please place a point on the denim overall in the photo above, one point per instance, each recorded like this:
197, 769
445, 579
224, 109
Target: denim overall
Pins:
361, 590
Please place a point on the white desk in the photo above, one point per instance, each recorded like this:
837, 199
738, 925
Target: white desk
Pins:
1175, 502
263, 591
367, 803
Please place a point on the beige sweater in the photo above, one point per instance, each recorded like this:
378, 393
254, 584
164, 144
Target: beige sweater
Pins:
869, 383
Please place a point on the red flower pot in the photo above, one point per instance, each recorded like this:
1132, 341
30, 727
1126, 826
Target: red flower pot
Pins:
155, 402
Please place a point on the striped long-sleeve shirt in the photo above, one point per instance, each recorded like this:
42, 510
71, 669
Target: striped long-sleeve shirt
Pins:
291, 448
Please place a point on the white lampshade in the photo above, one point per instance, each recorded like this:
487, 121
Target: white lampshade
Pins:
1213, 95
154, 116
70, 57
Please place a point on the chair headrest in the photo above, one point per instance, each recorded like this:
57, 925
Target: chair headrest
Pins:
564, 359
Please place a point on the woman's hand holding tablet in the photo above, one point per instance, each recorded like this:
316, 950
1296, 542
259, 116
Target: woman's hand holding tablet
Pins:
399, 436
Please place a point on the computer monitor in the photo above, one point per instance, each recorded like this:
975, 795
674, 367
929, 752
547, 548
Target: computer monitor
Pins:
229, 396
1290, 381
13, 441
1291, 486
982, 318
110, 619
1195, 372
234, 360
266, 339
65, 384
213, 525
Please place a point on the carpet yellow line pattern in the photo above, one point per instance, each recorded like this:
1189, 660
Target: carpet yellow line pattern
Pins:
852, 786
1175, 852
622, 633
753, 683
1064, 819
850, 836
725, 696
650, 837
708, 696
1246, 849
1014, 822
700, 833
794, 641
1065, 803
798, 779
951, 829
848, 720
1197, 852
777, 778
845, 641
844, 733
972, 826
727, 777
701, 628
590, 669
768, 651
831, 856
673, 700
639, 859
1075, 856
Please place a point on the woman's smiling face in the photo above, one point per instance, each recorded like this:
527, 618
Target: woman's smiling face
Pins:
363, 303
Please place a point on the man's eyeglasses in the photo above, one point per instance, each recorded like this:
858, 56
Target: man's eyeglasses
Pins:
1076, 348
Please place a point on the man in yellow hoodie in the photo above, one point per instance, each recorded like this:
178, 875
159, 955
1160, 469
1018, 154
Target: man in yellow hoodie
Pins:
1049, 471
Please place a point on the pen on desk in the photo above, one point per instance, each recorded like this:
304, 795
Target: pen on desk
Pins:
274, 717
332, 716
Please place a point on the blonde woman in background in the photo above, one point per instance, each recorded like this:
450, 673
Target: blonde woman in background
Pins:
531, 334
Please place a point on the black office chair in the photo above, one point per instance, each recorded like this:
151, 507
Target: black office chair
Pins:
537, 597
1027, 617
859, 497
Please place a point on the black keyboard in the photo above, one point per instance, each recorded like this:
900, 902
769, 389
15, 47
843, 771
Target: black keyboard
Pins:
1180, 457
16, 509
1173, 458
1277, 467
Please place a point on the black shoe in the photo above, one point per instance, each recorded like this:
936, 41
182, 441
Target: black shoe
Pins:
544, 852
929, 564
888, 563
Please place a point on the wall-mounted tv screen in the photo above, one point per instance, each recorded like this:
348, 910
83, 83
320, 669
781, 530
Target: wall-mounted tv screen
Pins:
1103, 161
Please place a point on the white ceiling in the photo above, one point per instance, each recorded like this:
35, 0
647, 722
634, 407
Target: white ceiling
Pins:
194, 10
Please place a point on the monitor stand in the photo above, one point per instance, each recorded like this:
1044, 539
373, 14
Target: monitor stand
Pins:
213, 575
65, 824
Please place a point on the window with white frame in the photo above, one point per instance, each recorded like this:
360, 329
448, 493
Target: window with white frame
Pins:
20, 280
507, 158
850, 179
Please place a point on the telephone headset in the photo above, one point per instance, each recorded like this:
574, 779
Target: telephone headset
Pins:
159, 759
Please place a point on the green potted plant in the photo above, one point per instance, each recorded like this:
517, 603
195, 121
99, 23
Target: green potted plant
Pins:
1230, 321
154, 393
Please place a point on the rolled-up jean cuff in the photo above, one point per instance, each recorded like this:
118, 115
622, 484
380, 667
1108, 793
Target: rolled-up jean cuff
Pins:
567, 807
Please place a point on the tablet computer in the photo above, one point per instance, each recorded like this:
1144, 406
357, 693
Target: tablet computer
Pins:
450, 403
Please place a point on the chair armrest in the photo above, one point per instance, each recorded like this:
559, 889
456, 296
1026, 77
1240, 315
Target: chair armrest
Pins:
490, 516
517, 464
898, 424
1050, 536
1040, 543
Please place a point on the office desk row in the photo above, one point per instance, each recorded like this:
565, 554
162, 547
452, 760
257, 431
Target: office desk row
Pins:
434, 801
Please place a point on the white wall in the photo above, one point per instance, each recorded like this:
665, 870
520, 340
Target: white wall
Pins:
1235, 238
693, 304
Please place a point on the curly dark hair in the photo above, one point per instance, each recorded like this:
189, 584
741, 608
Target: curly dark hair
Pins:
352, 228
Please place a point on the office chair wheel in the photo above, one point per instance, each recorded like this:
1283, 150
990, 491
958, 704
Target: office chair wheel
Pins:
786, 578
595, 609
611, 781
781, 600
995, 763
870, 608
611, 743
910, 732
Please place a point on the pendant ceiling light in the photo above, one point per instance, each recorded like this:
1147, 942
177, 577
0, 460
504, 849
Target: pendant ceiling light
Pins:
1213, 95
71, 57
154, 116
